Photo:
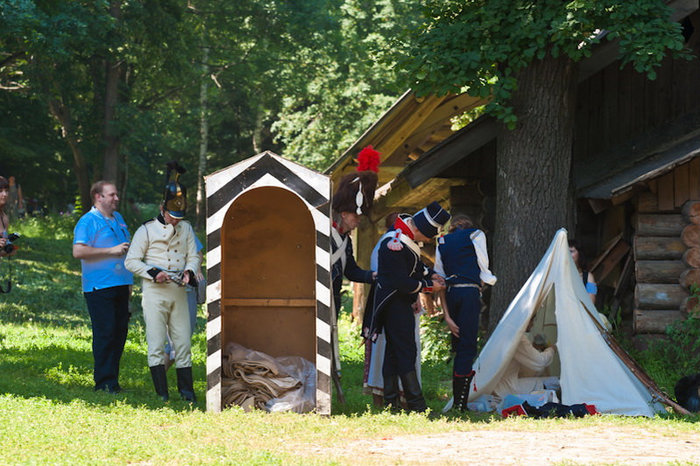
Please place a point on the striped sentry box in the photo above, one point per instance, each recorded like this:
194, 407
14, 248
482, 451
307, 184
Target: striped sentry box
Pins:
227, 190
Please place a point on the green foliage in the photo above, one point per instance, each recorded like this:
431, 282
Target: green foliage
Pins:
482, 46
303, 79
352, 81
677, 355
435, 339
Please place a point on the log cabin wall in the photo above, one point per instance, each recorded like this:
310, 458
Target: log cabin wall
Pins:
666, 247
619, 114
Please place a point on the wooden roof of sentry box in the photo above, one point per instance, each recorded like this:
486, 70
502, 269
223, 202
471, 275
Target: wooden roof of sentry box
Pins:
417, 142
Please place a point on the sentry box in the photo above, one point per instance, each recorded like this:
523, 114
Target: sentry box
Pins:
268, 266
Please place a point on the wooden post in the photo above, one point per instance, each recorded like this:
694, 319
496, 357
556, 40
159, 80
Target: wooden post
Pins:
365, 238
690, 235
691, 212
690, 277
691, 257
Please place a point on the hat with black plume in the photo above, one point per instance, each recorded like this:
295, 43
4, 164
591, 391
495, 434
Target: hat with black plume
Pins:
175, 194
355, 191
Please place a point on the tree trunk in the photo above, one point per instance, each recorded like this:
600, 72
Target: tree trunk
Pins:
533, 173
113, 73
64, 118
204, 137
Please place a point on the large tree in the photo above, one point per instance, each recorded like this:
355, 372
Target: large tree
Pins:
524, 54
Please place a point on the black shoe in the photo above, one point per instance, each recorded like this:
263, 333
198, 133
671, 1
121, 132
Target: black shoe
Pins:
160, 381
413, 393
113, 389
391, 393
185, 385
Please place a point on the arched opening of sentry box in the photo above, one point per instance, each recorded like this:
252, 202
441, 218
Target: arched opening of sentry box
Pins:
268, 273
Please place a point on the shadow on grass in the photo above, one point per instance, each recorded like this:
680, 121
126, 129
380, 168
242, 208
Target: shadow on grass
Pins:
65, 375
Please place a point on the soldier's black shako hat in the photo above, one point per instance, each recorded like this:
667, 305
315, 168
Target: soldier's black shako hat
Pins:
431, 219
355, 191
175, 194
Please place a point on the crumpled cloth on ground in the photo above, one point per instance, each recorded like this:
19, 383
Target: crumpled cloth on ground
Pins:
550, 410
254, 380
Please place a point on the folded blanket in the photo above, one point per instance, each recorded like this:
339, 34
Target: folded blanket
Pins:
252, 378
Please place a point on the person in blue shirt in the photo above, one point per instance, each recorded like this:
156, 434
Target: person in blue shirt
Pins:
101, 240
462, 259
582, 267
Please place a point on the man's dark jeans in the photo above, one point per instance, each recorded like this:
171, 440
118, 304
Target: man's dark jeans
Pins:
109, 314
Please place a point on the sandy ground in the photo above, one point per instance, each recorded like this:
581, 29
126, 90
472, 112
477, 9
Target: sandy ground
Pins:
609, 445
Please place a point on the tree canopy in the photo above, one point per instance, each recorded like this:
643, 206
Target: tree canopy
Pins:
97, 88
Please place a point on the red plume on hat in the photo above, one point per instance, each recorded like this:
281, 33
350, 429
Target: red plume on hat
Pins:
368, 159
355, 191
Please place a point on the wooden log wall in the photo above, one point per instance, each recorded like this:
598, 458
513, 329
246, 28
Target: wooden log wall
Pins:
667, 248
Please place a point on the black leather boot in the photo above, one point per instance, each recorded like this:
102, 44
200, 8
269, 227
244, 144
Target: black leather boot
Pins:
391, 392
412, 392
460, 391
184, 384
160, 381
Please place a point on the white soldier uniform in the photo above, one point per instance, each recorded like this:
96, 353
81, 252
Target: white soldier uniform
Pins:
158, 246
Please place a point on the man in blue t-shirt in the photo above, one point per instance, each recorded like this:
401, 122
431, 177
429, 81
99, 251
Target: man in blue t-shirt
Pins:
101, 240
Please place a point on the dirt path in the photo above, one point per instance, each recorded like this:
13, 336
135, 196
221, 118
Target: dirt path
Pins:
600, 445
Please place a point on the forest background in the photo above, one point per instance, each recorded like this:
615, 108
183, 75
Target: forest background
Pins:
114, 89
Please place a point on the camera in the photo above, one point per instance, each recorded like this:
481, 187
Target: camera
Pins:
9, 247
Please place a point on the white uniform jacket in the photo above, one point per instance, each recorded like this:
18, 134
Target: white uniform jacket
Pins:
158, 246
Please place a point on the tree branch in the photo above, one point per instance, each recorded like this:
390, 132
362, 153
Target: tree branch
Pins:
11, 58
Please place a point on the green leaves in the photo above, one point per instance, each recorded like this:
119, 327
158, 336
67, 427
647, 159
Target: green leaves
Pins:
510, 34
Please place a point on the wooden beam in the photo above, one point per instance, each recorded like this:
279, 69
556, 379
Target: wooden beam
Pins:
653, 321
659, 296
455, 148
658, 248
399, 195
659, 225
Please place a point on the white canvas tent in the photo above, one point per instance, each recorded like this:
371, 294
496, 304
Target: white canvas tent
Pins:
592, 368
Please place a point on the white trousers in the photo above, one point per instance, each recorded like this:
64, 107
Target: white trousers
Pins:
165, 311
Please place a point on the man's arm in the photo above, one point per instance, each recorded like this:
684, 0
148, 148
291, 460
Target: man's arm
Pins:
85, 252
482, 257
352, 271
134, 258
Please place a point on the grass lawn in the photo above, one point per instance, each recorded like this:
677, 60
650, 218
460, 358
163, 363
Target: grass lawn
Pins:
49, 412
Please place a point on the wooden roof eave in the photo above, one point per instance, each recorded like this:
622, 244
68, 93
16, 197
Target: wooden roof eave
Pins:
398, 195
389, 131
617, 170
404, 129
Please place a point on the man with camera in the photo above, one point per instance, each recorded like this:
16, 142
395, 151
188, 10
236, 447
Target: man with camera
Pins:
6, 246
101, 240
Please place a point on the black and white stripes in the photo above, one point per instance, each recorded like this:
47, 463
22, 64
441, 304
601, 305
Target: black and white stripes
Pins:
223, 188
